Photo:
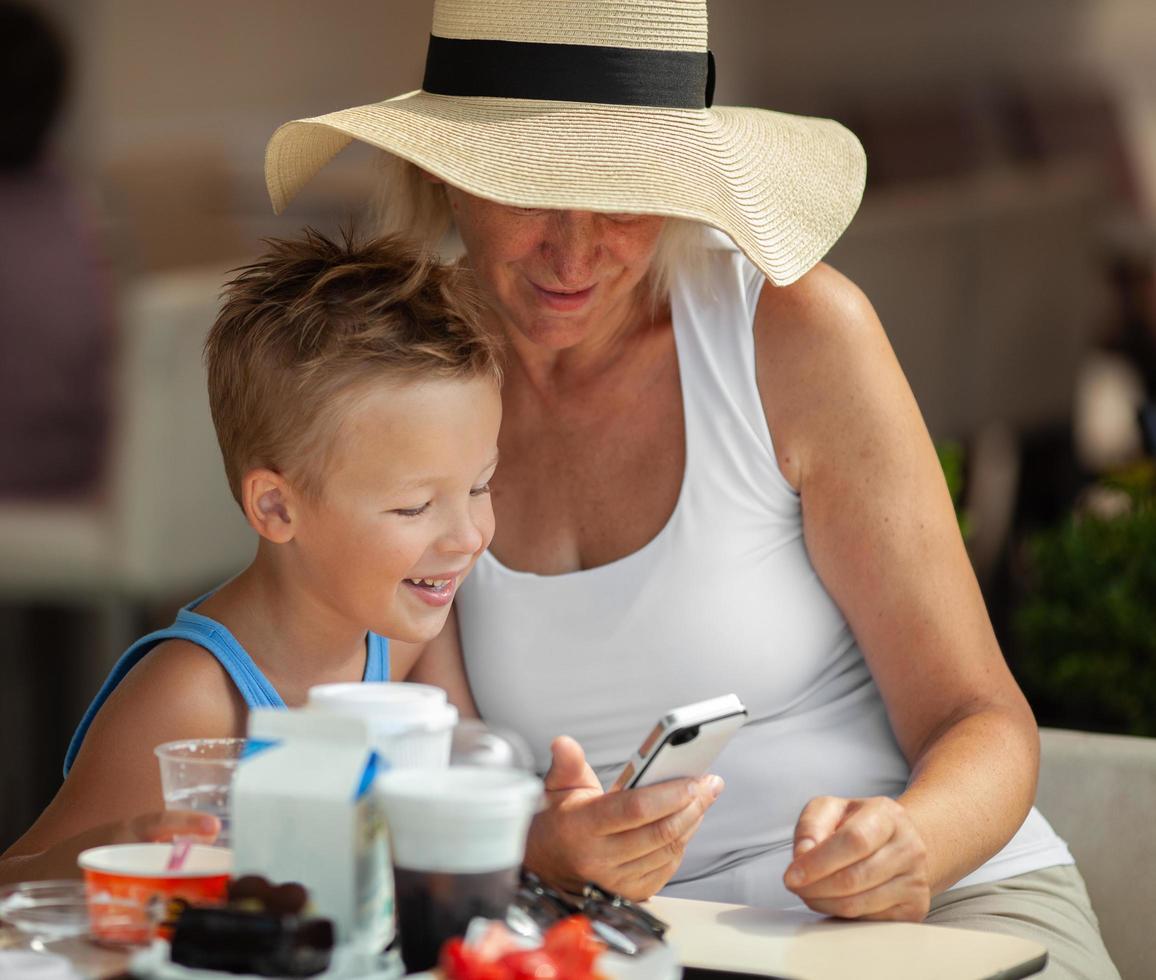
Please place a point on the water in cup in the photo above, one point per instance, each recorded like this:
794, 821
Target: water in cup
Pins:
208, 798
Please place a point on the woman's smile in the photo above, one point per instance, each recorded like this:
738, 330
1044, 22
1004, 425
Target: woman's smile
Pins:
563, 300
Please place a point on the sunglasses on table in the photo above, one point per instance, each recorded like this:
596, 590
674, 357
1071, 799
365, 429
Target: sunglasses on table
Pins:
624, 926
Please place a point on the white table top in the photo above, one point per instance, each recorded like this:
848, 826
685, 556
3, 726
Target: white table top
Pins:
792, 945
804, 946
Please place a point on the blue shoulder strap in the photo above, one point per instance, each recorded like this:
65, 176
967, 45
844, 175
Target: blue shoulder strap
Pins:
377, 659
254, 687
207, 633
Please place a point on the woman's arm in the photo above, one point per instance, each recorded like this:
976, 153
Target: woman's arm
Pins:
178, 691
881, 532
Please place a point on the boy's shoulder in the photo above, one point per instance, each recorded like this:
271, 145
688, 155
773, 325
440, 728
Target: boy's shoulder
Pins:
180, 684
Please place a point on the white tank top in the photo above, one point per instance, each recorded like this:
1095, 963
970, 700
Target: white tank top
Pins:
724, 599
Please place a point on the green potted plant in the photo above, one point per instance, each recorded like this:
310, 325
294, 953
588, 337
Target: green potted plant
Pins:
1085, 631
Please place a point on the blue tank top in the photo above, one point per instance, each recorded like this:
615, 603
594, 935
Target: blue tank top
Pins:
208, 633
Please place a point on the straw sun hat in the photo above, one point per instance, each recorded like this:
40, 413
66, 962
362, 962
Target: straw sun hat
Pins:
599, 105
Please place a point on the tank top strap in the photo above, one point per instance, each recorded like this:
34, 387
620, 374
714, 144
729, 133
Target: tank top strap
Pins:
214, 637
713, 310
377, 659
254, 686
206, 633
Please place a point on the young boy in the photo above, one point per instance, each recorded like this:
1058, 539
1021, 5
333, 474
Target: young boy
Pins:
356, 402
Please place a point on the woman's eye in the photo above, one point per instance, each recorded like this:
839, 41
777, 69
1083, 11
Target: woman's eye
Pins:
480, 491
410, 511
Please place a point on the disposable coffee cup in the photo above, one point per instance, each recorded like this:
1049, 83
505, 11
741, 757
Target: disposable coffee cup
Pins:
458, 836
411, 725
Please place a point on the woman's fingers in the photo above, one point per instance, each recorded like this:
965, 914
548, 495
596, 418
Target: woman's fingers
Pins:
856, 833
817, 822
636, 809
897, 900
638, 834
872, 865
649, 846
626, 842
873, 872
667, 853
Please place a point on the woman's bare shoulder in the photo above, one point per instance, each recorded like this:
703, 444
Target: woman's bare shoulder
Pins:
821, 310
820, 349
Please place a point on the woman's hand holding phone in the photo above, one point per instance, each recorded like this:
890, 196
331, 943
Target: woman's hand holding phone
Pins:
630, 842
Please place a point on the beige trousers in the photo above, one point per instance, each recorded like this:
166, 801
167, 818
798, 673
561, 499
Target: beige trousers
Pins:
1049, 906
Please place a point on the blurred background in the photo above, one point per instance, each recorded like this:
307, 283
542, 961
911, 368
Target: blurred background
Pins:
1008, 240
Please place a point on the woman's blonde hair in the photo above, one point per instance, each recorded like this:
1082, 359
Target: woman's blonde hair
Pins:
410, 205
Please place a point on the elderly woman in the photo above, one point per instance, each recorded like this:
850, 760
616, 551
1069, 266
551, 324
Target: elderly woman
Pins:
714, 478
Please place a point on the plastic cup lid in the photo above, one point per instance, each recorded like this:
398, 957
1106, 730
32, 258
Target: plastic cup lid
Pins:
477, 793
392, 705
375, 692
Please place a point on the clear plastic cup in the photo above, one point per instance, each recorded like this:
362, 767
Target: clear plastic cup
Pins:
197, 774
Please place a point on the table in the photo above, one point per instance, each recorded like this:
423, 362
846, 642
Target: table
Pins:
710, 936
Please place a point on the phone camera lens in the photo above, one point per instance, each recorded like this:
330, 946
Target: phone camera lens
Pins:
684, 735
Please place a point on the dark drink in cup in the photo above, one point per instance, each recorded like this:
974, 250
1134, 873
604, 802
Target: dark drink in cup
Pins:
432, 906
459, 835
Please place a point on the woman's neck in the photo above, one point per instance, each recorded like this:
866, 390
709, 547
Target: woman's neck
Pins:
296, 639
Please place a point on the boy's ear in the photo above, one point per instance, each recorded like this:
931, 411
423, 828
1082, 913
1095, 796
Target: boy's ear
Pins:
270, 505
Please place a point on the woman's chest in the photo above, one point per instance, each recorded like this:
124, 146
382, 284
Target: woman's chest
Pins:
699, 612
586, 487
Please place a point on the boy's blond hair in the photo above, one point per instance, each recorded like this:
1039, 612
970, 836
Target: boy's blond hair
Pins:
307, 326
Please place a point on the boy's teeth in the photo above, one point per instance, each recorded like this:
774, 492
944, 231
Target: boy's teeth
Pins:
433, 583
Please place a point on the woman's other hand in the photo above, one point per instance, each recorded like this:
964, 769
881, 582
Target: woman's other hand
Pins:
860, 859
630, 842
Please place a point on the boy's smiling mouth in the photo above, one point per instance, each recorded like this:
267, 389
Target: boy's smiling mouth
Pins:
430, 583
436, 591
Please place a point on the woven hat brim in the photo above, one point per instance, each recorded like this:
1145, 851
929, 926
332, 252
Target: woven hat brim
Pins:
783, 187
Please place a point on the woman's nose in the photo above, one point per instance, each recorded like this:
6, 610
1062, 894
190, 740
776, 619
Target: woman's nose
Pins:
571, 247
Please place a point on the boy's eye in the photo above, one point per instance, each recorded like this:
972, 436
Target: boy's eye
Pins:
411, 511
480, 491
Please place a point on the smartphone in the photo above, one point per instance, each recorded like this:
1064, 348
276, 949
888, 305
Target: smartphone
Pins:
684, 742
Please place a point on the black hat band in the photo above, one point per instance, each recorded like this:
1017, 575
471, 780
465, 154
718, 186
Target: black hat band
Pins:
570, 73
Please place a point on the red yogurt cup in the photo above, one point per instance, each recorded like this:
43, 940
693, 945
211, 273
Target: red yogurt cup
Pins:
130, 888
